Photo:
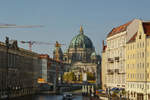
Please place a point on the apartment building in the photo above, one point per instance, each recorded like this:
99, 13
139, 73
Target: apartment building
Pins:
115, 53
137, 64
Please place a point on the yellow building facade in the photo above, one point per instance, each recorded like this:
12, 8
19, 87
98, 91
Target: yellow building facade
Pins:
137, 64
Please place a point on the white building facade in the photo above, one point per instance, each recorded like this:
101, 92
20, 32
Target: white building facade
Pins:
115, 54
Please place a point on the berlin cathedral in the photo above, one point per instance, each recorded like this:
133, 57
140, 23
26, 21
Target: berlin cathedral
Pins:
80, 55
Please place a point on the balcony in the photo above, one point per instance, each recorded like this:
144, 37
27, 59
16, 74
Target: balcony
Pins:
110, 71
117, 59
110, 60
117, 71
121, 72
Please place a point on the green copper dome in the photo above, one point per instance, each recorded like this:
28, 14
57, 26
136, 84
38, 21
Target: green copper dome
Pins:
81, 41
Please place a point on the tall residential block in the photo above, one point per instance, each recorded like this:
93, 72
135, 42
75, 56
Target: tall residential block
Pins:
115, 54
137, 63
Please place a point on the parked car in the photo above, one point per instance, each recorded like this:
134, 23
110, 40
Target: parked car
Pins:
67, 96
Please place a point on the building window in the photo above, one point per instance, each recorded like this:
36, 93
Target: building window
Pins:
139, 36
140, 45
140, 65
147, 65
147, 75
138, 76
137, 55
143, 54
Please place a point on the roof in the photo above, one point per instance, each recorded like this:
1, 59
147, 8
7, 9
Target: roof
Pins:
146, 27
81, 41
133, 38
119, 29
44, 56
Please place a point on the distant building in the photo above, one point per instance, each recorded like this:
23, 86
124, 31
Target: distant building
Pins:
45, 63
19, 70
103, 68
81, 55
52, 70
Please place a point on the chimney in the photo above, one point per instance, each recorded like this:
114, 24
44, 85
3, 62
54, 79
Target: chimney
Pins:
103, 44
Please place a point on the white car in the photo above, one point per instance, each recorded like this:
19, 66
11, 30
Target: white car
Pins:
67, 97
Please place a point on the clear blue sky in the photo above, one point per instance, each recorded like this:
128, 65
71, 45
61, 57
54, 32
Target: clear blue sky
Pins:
62, 19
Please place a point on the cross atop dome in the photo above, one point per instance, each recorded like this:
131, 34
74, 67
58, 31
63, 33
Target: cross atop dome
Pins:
81, 30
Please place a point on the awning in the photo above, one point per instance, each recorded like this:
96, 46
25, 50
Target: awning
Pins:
121, 89
100, 90
114, 89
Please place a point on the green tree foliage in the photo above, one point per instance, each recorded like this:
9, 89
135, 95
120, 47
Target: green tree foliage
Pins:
90, 76
69, 77
81, 77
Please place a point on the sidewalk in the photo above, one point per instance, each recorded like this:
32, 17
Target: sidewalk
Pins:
103, 98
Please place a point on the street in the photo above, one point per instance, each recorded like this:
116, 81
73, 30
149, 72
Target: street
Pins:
49, 97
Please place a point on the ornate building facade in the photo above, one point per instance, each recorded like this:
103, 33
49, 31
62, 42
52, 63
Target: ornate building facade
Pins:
19, 70
81, 55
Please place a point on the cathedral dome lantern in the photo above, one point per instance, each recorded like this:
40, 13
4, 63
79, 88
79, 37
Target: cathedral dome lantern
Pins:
81, 41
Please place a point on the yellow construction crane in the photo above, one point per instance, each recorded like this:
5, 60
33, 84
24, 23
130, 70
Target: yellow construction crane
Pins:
40, 43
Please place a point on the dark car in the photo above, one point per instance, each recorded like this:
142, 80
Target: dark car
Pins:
67, 97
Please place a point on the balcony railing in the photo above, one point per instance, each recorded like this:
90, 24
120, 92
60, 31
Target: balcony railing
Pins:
121, 72
117, 71
110, 71
110, 60
117, 59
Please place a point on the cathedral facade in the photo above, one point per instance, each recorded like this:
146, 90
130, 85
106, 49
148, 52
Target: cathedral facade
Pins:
80, 55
